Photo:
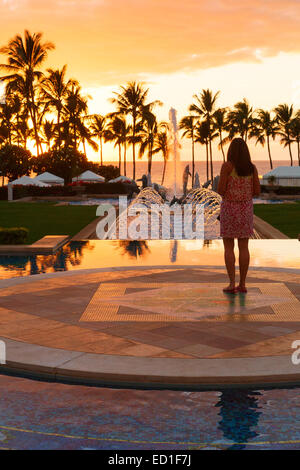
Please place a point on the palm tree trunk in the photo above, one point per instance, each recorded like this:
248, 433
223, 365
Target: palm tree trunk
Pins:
291, 156
210, 149
221, 145
298, 145
120, 157
207, 172
59, 131
149, 160
101, 150
133, 147
290, 150
125, 151
211, 162
75, 136
33, 118
193, 160
164, 171
269, 152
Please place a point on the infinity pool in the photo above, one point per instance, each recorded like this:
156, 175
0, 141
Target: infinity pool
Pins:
37, 415
107, 253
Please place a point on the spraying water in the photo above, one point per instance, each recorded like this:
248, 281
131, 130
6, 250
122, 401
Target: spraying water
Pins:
173, 128
150, 203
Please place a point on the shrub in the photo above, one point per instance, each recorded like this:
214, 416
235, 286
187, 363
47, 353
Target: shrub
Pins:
15, 161
109, 172
281, 190
13, 236
105, 188
65, 163
3, 193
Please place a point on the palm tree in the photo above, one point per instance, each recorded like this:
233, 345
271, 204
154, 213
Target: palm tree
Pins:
24, 57
205, 107
98, 128
202, 136
264, 127
48, 133
118, 131
240, 120
8, 112
148, 129
23, 131
54, 91
84, 134
130, 101
295, 132
188, 125
220, 124
162, 144
284, 115
74, 110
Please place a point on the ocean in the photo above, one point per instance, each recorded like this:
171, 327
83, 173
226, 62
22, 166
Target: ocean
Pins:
263, 166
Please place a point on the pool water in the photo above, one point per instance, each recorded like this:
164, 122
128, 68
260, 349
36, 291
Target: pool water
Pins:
122, 253
37, 415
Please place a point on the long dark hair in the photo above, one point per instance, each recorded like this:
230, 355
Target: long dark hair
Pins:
238, 154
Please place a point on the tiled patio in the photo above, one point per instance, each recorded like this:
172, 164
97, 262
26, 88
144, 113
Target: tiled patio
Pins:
159, 313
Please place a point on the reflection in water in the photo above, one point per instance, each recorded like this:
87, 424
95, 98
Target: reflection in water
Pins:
174, 251
133, 248
69, 255
103, 253
233, 302
239, 415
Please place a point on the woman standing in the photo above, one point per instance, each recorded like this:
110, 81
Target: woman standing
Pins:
238, 185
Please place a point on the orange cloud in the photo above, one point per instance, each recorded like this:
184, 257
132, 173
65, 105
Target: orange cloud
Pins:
109, 41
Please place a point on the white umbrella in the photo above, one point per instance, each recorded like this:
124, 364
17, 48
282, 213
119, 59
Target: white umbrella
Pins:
89, 177
27, 181
122, 179
49, 178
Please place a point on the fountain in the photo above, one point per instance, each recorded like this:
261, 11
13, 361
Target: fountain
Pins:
173, 136
158, 217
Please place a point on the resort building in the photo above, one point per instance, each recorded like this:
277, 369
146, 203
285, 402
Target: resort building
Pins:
283, 176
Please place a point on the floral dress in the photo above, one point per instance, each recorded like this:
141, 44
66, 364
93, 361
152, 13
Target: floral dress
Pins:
236, 216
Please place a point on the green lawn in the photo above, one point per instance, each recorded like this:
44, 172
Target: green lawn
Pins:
45, 218
284, 217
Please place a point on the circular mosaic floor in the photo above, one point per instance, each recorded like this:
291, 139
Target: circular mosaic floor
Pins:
150, 314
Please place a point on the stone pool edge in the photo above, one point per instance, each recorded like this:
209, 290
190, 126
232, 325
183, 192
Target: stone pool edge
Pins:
44, 363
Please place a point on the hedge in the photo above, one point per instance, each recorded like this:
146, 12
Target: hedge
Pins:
3, 193
106, 188
13, 236
281, 190
61, 191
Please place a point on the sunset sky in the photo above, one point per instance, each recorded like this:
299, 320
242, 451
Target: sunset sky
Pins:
244, 48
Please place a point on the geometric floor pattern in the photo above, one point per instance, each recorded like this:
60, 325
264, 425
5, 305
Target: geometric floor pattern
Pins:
188, 301
180, 313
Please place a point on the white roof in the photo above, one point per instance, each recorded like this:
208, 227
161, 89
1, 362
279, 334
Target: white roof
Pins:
284, 172
27, 181
122, 179
49, 177
89, 176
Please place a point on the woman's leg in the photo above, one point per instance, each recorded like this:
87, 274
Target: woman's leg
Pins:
244, 259
230, 260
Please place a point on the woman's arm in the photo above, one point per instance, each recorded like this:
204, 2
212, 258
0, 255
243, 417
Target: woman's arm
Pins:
225, 171
256, 183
